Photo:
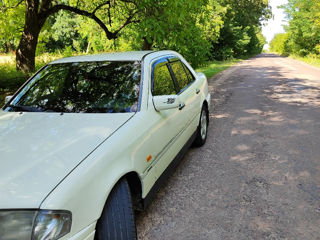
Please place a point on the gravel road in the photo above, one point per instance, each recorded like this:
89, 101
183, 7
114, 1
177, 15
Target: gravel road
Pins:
258, 176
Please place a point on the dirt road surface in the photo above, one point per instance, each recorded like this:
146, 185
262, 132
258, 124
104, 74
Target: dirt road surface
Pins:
258, 176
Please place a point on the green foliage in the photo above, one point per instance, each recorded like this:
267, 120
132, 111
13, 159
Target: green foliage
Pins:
11, 24
303, 32
279, 44
199, 30
11, 79
212, 68
312, 59
241, 32
63, 34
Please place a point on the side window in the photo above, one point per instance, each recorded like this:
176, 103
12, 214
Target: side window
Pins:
162, 81
189, 74
181, 74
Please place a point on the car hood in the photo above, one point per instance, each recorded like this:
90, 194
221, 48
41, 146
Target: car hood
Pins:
37, 150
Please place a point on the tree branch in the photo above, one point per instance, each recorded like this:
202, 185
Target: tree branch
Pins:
110, 35
4, 8
127, 22
45, 5
100, 6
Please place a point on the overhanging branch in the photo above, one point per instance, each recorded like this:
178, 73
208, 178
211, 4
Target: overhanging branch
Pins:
110, 35
57, 8
4, 8
100, 6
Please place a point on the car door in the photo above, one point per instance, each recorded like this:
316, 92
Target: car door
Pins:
188, 94
169, 123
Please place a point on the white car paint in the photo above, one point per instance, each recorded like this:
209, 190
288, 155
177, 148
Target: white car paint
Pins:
72, 161
40, 149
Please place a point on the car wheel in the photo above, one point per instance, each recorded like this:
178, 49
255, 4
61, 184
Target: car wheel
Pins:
117, 219
202, 129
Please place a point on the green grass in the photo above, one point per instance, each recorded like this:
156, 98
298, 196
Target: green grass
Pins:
11, 79
213, 68
311, 59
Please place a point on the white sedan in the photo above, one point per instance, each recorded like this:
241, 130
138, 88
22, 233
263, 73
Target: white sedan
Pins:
89, 139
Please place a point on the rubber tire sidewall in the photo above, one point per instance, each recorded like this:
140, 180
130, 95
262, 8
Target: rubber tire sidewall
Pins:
117, 219
199, 141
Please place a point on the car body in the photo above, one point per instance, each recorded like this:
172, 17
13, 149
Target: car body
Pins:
55, 160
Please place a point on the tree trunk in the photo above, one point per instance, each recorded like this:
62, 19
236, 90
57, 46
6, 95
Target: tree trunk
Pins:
146, 44
6, 46
36, 14
26, 51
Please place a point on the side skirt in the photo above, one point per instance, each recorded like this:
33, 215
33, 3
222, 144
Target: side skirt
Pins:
169, 170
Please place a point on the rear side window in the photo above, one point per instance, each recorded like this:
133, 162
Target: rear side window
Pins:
182, 75
189, 74
162, 81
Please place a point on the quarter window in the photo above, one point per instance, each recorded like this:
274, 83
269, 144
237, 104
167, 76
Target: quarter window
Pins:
162, 81
189, 74
182, 76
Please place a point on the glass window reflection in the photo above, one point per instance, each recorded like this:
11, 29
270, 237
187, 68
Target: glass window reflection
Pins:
180, 74
90, 87
162, 81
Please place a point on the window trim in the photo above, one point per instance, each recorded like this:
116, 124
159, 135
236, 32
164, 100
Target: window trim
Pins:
157, 62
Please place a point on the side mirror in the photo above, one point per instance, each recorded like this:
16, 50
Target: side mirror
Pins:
7, 99
165, 102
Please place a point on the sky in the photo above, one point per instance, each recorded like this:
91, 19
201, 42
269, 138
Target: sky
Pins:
274, 25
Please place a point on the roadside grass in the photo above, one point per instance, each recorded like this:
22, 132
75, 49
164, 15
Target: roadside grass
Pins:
11, 79
312, 60
212, 68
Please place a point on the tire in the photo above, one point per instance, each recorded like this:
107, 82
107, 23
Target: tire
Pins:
202, 130
117, 218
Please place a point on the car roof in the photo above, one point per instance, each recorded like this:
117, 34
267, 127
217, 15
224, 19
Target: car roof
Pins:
117, 56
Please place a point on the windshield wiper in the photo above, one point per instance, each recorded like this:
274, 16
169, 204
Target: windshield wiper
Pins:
24, 108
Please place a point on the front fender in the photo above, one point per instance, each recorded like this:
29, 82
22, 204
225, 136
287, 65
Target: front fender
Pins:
85, 190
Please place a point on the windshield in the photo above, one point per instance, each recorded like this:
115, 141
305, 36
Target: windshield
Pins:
88, 87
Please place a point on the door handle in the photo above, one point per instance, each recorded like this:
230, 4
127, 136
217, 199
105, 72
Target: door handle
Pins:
182, 105
197, 91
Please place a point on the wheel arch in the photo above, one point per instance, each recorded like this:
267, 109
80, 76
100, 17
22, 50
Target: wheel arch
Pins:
135, 185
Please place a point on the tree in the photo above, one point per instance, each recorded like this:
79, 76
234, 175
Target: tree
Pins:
304, 26
182, 25
156, 24
37, 12
279, 44
241, 29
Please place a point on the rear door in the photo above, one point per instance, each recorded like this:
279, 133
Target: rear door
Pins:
188, 93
